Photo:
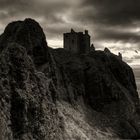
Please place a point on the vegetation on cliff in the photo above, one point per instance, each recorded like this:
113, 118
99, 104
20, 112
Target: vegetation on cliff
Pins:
54, 94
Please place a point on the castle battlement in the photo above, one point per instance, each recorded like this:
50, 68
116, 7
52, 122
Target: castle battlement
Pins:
77, 42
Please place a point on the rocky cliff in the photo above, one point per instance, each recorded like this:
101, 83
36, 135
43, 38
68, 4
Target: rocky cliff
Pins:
53, 94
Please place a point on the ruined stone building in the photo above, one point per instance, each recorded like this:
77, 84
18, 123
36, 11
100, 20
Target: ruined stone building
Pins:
77, 42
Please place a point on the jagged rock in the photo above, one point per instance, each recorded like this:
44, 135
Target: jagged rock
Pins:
104, 81
106, 50
27, 109
92, 48
53, 94
29, 34
120, 55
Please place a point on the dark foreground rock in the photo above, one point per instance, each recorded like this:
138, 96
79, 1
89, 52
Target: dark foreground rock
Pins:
29, 34
105, 83
27, 109
48, 94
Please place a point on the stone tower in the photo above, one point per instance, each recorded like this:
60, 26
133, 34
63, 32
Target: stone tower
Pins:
77, 42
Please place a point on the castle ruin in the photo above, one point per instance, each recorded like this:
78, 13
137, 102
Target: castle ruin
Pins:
77, 42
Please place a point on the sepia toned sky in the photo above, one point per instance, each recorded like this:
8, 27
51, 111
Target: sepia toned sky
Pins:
111, 23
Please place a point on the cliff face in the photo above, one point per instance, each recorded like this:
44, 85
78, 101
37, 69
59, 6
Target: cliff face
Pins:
53, 94
29, 34
27, 108
106, 85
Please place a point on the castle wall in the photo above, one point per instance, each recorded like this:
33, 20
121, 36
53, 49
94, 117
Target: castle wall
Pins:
87, 43
77, 42
71, 42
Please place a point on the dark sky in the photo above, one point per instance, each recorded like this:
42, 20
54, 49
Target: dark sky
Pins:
111, 23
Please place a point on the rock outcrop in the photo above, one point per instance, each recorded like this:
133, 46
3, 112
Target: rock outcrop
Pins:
27, 109
53, 94
29, 34
105, 83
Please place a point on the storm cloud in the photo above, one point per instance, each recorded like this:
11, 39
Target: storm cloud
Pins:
113, 24
120, 12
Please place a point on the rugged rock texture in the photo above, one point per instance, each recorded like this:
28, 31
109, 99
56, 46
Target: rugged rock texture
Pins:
105, 83
53, 94
27, 109
29, 34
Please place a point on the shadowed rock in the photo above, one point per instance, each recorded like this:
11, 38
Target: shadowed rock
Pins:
106, 84
29, 34
27, 109
57, 95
